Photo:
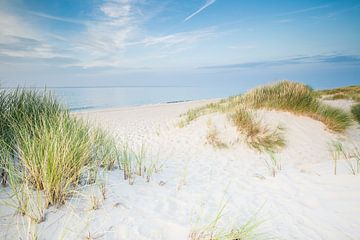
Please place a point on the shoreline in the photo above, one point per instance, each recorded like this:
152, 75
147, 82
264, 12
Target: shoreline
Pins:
145, 106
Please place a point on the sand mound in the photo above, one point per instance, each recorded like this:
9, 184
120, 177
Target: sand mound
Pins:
305, 200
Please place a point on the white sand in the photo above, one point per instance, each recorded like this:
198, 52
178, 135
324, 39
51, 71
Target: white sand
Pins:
304, 201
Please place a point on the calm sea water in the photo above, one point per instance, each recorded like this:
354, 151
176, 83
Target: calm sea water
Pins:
85, 98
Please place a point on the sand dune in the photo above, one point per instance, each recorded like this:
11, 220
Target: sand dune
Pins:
305, 200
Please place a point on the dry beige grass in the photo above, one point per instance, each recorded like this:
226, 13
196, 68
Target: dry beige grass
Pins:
257, 135
214, 139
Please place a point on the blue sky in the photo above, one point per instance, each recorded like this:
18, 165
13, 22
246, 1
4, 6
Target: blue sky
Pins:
184, 42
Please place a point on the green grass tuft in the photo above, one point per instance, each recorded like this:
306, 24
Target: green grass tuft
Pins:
257, 135
47, 146
212, 231
299, 99
355, 110
287, 96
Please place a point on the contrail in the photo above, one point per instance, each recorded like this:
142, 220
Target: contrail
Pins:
207, 4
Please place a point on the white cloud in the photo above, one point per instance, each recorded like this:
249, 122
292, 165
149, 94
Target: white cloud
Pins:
62, 19
207, 4
182, 38
12, 25
116, 9
113, 37
116, 38
287, 20
242, 47
304, 10
112, 31
20, 39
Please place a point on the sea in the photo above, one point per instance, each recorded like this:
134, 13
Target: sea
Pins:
100, 97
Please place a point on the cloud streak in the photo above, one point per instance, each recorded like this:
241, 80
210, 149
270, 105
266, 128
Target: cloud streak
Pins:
206, 5
335, 58
56, 18
304, 10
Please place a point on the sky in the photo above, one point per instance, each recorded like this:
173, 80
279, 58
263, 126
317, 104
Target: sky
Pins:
179, 42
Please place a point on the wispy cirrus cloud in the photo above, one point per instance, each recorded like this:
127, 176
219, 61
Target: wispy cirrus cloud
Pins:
20, 39
284, 20
180, 38
304, 10
56, 18
242, 47
202, 8
334, 58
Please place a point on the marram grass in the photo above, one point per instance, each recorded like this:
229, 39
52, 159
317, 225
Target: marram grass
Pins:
355, 110
54, 154
214, 231
350, 92
258, 136
299, 99
47, 145
287, 96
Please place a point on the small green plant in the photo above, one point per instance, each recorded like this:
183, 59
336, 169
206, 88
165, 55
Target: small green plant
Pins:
208, 232
27, 201
140, 158
94, 202
353, 161
183, 178
105, 149
137, 162
125, 163
212, 231
273, 164
103, 191
352, 158
32, 231
336, 151
153, 166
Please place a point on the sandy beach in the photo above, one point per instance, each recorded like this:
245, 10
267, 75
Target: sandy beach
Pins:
179, 120
305, 200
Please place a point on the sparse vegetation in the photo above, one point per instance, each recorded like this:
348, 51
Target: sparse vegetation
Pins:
95, 202
103, 191
273, 165
351, 157
352, 160
212, 231
355, 110
336, 148
137, 162
213, 138
350, 92
27, 201
106, 150
193, 114
257, 136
